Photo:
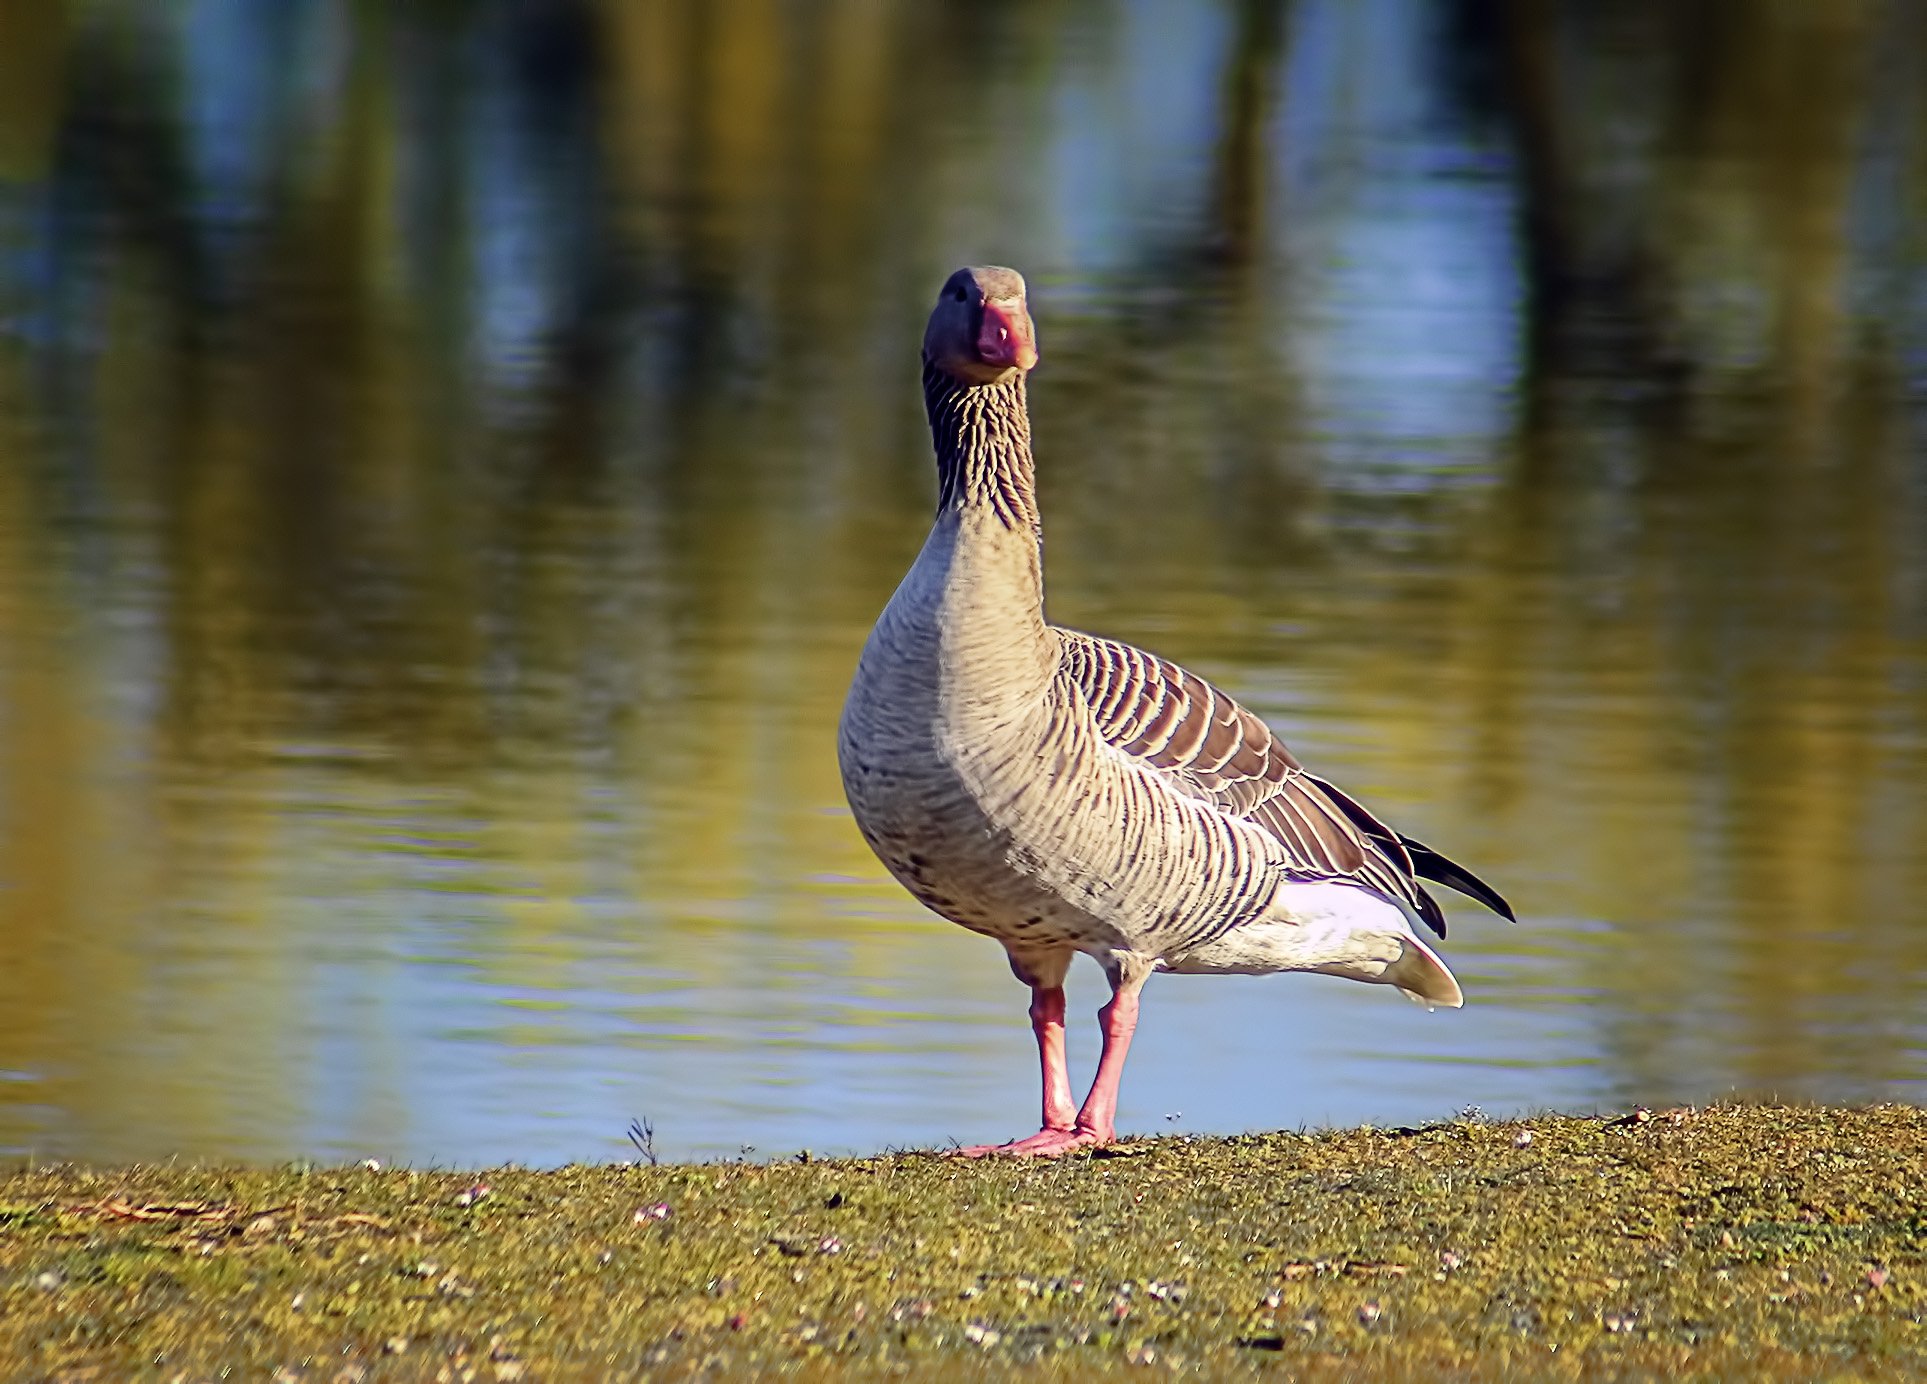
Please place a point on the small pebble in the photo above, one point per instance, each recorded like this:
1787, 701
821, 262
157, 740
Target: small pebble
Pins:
658, 1212
1522, 1138
1369, 1313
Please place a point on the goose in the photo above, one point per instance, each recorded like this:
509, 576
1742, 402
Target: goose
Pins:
1062, 793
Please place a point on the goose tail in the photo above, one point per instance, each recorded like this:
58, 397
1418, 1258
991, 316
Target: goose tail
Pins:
1424, 978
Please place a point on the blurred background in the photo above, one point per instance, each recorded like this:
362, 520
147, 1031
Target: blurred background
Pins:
451, 454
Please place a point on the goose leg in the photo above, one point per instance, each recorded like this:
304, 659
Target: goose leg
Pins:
1047, 1022
1095, 1123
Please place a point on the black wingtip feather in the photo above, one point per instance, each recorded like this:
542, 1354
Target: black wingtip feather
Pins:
1429, 864
1426, 862
1428, 909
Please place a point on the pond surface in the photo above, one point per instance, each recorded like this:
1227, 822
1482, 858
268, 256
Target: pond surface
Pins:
449, 463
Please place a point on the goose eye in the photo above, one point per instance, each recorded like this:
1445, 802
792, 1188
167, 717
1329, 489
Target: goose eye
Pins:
962, 294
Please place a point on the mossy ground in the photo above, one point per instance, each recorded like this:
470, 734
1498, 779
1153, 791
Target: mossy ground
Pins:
1737, 1242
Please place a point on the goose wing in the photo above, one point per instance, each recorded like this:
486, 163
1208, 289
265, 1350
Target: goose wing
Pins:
1200, 740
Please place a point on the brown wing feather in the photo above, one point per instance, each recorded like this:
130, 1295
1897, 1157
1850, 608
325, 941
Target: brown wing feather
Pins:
1213, 749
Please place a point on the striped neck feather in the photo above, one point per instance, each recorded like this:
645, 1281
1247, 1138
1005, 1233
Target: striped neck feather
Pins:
982, 439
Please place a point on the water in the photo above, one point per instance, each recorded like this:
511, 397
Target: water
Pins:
449, 462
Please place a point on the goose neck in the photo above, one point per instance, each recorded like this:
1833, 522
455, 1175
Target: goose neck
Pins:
982, 439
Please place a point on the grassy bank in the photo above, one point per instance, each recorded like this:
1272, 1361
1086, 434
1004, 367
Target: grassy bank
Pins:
1733, 1242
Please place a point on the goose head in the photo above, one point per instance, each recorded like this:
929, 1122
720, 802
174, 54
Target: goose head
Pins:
980, 330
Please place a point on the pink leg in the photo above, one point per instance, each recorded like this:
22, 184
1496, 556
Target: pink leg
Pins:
1047, 1022
1098, 1118
1096, 1123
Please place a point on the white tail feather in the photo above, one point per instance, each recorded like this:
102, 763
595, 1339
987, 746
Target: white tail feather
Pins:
1425, 979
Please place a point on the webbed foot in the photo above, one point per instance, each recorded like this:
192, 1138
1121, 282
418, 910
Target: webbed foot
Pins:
1045, 1143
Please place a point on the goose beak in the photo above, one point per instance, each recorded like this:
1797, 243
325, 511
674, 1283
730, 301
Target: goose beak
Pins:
1005, 338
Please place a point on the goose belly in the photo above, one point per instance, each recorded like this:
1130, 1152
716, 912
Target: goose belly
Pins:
1040, 836
923, 812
